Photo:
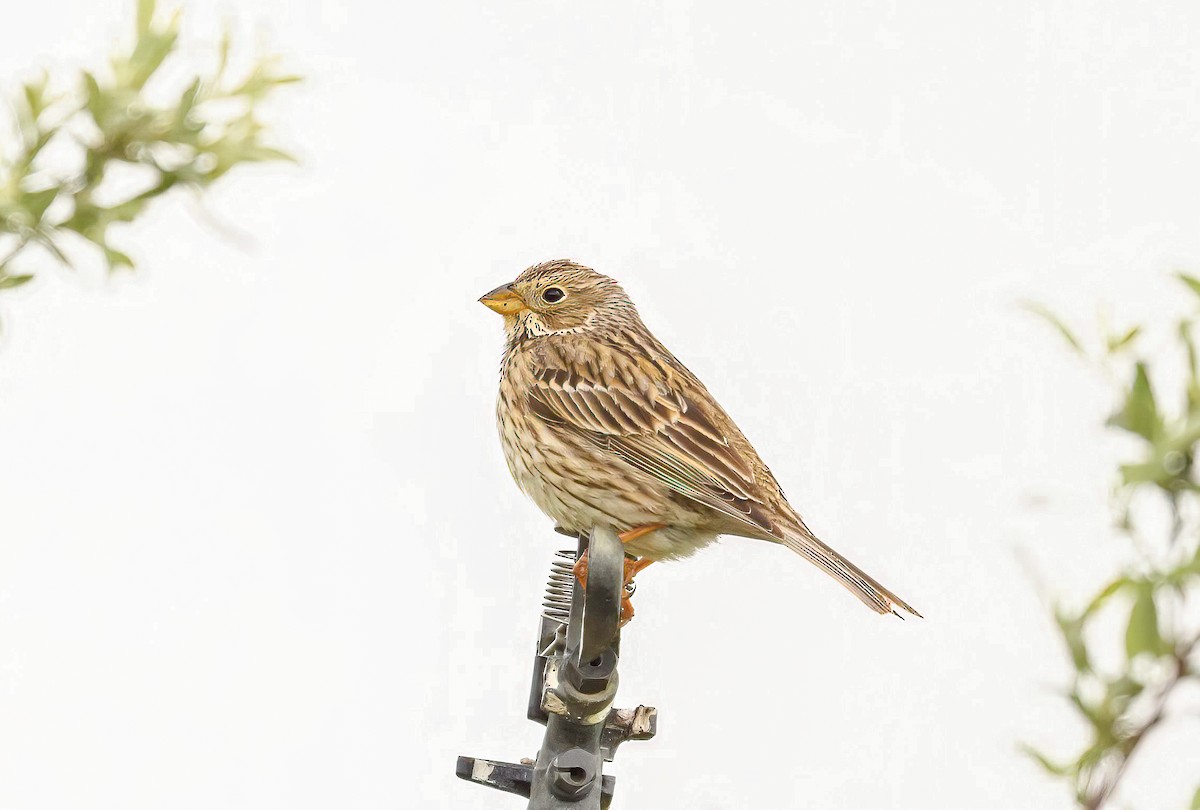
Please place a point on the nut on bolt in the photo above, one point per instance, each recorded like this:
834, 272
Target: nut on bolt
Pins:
572, 774
592, 676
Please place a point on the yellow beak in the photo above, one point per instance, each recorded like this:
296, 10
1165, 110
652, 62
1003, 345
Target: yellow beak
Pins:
504, 300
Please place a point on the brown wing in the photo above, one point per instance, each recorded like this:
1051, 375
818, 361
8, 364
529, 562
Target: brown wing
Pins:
672, 434
661, 430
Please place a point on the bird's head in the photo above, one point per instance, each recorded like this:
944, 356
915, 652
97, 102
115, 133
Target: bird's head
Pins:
559, 297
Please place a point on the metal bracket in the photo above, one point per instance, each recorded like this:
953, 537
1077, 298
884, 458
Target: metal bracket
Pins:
574, 683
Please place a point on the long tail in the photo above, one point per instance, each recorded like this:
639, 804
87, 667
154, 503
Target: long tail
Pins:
854, 579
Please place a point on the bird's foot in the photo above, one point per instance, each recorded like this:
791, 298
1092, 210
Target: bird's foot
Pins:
580, 569
633, 566
626, 610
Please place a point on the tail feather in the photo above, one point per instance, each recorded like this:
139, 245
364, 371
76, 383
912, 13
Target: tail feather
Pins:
849, 575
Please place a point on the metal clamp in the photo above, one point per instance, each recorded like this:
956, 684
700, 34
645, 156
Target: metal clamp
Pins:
574, 683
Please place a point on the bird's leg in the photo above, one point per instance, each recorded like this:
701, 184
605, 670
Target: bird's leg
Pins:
633, 567
580, 568
640, 531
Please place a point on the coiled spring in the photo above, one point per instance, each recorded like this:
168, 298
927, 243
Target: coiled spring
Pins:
556, 605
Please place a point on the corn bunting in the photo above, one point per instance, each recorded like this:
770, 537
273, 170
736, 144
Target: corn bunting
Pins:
601, 425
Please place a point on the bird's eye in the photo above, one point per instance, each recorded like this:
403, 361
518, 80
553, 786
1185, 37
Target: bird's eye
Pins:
553, 294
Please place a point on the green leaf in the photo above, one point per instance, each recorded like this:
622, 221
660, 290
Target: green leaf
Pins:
1100, 723
149, 55
260, 81
152, 48
46, 240
1193, 384
188, 101
1141, 636
1116, 344
1072, 633
1146, 472
1186, 436
1192, 282
1109, 590
1119, 693
35, 95
1140, 413
1052, 319
97, 102
36, 202
145, 15
8, 282
1142, 410
116, 259
1046, 763
1195, 800
258, 153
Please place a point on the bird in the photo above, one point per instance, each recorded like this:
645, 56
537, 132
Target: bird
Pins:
601, 425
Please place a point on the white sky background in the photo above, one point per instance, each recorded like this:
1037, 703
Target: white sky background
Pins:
258, 546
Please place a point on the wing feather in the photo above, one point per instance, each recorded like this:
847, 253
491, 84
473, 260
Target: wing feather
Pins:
659, 431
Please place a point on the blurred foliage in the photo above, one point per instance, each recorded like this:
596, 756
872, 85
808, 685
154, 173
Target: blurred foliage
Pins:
1154, 597
108, 124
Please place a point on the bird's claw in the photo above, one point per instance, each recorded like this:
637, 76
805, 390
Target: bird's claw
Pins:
632, 567
580, 569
